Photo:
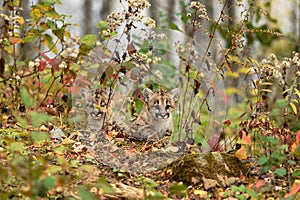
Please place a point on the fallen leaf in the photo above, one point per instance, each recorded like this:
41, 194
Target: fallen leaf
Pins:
68, 141
259, 184
294, 189
109, 136
241, 153
201, 193
209, 183
294, 147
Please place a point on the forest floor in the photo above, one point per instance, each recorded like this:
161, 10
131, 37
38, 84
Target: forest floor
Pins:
64, 167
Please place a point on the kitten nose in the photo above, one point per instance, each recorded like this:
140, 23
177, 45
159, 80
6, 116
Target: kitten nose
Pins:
163, 115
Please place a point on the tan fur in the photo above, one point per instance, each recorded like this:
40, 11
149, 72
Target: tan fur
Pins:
155, 118
95, 103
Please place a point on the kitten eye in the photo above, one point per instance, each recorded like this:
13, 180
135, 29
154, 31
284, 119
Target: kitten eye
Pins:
168, 107
156, 107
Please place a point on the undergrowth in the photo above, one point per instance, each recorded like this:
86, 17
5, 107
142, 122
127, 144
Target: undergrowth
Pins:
43, 64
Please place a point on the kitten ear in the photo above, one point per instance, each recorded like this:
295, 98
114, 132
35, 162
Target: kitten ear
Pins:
175, 94
147, 94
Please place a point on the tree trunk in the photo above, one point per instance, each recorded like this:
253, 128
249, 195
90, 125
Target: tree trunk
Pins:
87, 18
105, 9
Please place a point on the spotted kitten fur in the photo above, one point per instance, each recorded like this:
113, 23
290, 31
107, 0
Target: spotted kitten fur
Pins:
95, 104
155, 119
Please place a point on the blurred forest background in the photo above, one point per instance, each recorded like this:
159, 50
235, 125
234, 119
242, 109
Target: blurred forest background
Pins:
277, 23
282, 15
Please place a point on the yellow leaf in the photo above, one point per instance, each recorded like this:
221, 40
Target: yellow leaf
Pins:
201, 193
297, 92
233, 74
294, 147
294, 108
243, 70
36, 14
21, 21
265, 90
266, 83
241, 153
254, 92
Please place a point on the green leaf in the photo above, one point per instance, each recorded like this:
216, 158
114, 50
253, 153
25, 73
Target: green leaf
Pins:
178, 189
44, 186
16, 3
267, 167
292, 162
48, 2
149, 182
262, 161
242, 188
89, 39
84, 194
51, 13
107, 188
101, 23
39, 136
240, 197
20, 120
16, 146
279, 156
37, 119
281, 103
26, 98
49, 183
54, 169
173, 26
48, 40
51, 24
30, 38
280, 172
61, 160
252, 194
296, 174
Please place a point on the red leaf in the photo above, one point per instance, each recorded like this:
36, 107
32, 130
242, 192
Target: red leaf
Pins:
259, 184
43, 65
138, 95
240, 133
294, 189
53, 62
227, 122
298, 138
247, 139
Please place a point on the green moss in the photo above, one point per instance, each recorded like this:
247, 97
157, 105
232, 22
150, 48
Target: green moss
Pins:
210, 166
